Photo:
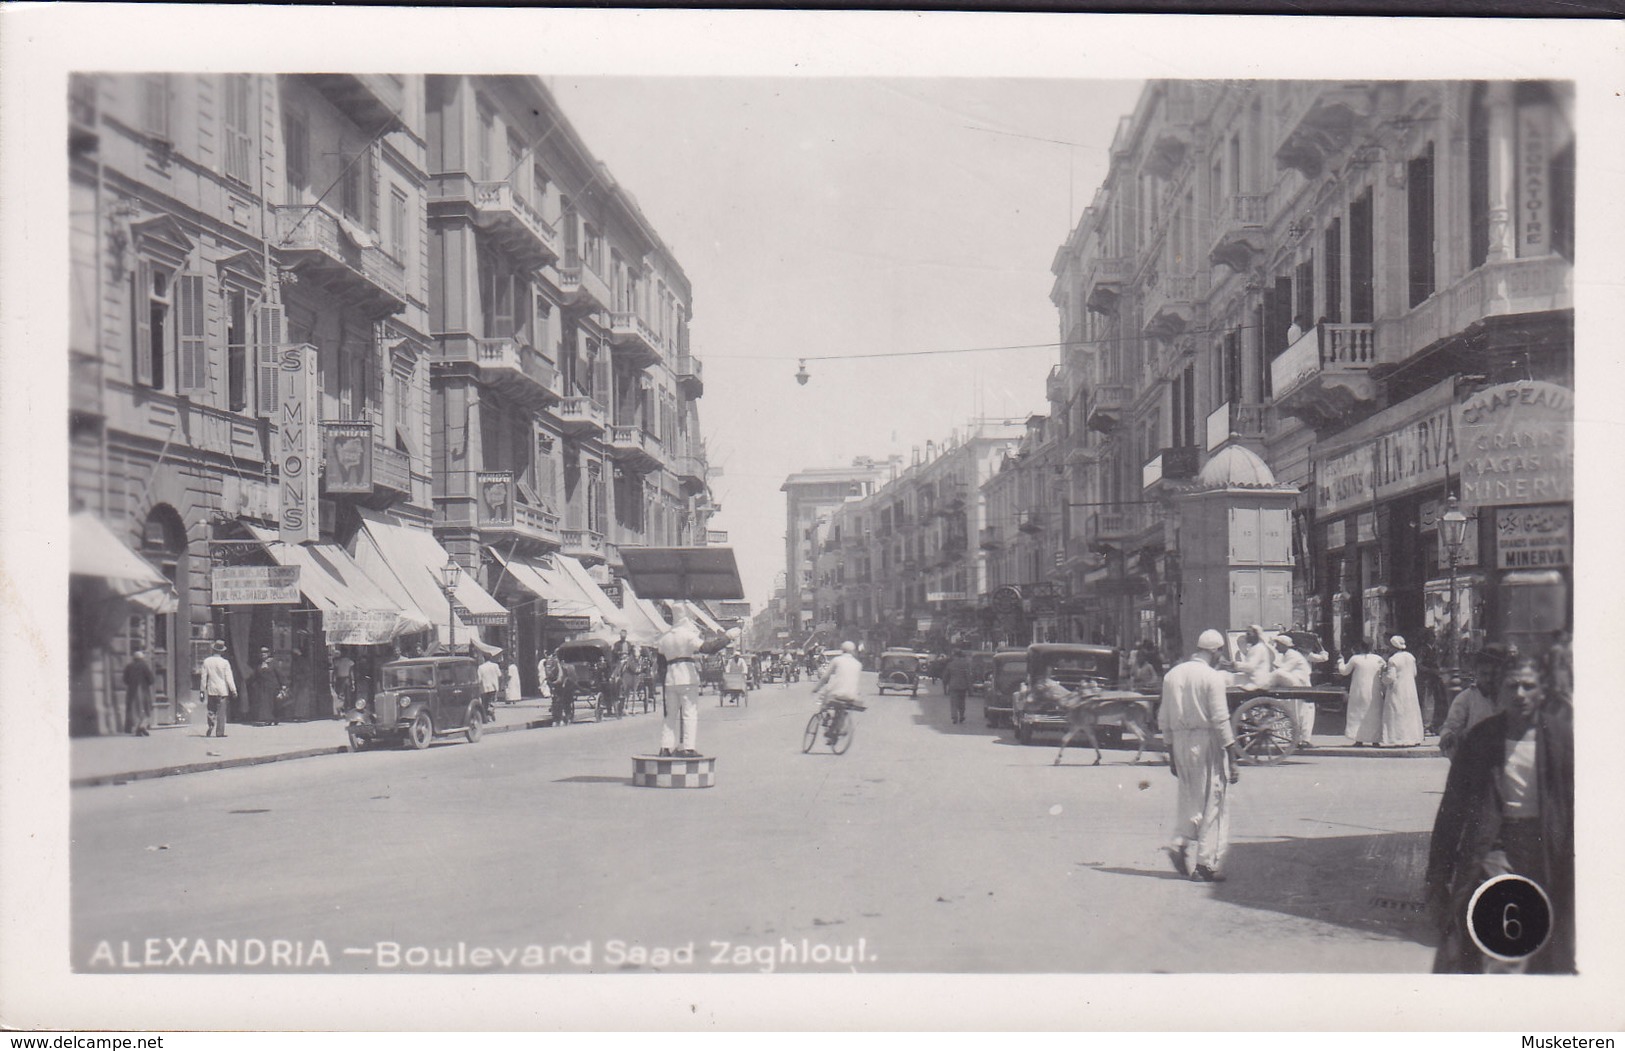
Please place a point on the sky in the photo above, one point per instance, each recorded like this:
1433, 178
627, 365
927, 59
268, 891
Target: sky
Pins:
821, 217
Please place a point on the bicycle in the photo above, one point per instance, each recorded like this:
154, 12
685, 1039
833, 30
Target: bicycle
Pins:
834, 721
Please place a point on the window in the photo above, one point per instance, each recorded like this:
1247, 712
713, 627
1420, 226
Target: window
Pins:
269, 329
150, 289
1362, 293
356, 188
155, 107
487, 144
1334, 271
516, 161
1419, 225
296, 141
1232, 366
538, 188
237, 349
237, 118
395, 231
547, 481
1304, 288
404, 408
1478, 177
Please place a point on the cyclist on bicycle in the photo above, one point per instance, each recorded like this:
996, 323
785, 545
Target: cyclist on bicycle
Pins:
840, 684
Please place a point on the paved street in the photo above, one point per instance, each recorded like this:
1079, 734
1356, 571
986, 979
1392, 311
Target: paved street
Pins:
928, 847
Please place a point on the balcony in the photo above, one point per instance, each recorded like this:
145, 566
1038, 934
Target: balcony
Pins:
1326, 373
1172, 139
1115, 529
1324, 120
373, 101
690, 470
633, 449
1170, 305
634, 339
515, 224
391, 472
338, 257
514, 369
584, 545
1243, 421
1240, 231
988, 539
533, 531
580, 416
690, 376
1104, 286
1512, 286
581, 285
1030, 520
1107, 404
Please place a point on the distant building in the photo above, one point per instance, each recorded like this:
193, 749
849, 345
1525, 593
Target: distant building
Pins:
809, 496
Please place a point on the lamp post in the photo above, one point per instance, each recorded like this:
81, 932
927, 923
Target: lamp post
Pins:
1454, 525
448, 578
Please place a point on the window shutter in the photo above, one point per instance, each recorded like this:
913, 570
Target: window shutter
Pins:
193, 371
141, 321
271, 324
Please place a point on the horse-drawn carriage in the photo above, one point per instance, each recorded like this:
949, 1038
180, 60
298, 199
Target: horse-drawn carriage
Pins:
581, 674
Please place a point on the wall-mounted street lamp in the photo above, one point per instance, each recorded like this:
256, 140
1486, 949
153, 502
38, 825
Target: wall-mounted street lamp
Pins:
802, 375
448, 579
1453, 525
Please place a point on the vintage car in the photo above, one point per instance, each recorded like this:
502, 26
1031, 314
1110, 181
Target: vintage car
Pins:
419, 699
1075, 666
900, 670
981, 671
1009, 673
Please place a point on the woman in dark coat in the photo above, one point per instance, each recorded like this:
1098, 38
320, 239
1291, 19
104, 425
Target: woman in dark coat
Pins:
266, 688
1501, 814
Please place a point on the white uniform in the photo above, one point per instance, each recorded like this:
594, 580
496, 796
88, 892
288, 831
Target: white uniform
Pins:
1195, 721
1292, 671
1255, 667
682, 725
844, 676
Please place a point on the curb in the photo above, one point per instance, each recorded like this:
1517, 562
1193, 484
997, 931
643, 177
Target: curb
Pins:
97, 780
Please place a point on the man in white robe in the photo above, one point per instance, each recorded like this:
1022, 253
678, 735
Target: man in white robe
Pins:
1202, 752
1257, 659
1292, 672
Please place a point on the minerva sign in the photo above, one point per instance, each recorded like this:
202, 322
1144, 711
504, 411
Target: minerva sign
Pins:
1517, 445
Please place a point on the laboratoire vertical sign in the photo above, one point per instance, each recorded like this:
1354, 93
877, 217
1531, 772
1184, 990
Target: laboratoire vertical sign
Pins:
298, 446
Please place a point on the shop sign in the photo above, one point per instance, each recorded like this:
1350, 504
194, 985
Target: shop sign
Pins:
612, 591
1534, 192
254, 585
716, 536
1337, 534
945, 596
567, 624
483, 620
1417, 453
1517, 443
347, 456
247, 498
1365, 527
495, 490
358, 627
1533, 537
298, 447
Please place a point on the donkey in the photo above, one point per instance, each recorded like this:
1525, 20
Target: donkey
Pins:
1085, 711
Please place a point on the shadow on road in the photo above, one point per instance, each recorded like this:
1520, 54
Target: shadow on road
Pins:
592, 779
1369, 883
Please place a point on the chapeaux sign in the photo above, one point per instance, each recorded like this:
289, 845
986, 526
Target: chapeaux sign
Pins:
1517, 445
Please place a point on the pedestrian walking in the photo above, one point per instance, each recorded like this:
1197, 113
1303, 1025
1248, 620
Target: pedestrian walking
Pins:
1479, 701
266, 690
1362, 720
956, 682
1401, 709
138, 680
490, 676
1203, 755
513, 691
1508, 807
343, 679
219, 688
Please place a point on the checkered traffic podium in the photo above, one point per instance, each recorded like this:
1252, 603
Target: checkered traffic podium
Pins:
674, 771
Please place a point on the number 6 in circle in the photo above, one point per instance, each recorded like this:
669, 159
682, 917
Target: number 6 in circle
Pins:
1509, 918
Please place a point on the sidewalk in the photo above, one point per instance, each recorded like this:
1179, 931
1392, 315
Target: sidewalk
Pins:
184, 749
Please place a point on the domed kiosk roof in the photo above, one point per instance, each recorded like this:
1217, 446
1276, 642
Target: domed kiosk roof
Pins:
1236, 467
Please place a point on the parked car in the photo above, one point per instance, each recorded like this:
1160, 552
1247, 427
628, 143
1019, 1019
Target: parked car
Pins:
900, 670
1009, 674
419, 699
981, 671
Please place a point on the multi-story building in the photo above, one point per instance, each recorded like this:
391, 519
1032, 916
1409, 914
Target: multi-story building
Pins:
310, 315
1336, 292
810, 496
565, 386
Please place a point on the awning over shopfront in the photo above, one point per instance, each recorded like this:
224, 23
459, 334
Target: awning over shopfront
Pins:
603, 606
647, 625
527, 575
701, 615
94, 551
406, 564
356, 611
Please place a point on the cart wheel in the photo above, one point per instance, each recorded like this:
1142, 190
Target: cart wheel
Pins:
814, 725
843, 740
474, 725
1265, 730
422, 731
